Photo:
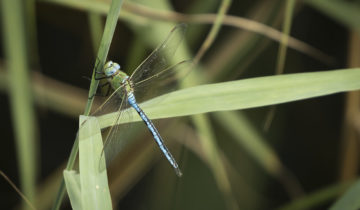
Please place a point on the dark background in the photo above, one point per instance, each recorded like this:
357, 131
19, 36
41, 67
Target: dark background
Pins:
305, 134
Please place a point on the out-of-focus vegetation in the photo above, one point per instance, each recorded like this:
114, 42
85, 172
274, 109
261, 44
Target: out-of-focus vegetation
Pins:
267, 118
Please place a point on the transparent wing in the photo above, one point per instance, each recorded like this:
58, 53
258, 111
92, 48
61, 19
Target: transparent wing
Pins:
158, 59
117, 102
111, 103
113, 136
162, 82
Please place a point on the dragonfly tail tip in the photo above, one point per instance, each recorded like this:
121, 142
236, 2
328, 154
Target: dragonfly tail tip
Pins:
178, 172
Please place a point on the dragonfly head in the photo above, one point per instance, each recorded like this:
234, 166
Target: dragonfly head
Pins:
111, 68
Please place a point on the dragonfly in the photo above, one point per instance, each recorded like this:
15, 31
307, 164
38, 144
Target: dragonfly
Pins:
128, 91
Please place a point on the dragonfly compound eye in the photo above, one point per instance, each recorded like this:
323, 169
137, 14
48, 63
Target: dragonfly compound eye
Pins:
108, 64
116, 66
110, 68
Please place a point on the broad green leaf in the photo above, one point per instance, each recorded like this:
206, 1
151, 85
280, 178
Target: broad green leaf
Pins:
72, 182
246, 93
350, 200
89, 188
95, 193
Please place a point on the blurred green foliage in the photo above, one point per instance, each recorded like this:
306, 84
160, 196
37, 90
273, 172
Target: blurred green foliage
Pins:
228, 159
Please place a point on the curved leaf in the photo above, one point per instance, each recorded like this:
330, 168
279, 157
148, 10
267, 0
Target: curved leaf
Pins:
246, 93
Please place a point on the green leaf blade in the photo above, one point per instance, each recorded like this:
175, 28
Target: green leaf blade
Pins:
247, 93
95, 193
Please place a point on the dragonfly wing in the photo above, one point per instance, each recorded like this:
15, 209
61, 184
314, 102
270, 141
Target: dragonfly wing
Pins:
158, 60
116, 102
162, 82
112, 141
110, 104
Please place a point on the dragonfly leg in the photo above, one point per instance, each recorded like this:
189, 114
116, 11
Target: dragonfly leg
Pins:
91, 97
109, 88
87, 78
100, 78
106, 84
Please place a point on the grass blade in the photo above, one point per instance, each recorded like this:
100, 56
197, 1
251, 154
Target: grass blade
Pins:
247, 93
350, 200
20, 93
95, 193
101, 57
89, 189
72, 181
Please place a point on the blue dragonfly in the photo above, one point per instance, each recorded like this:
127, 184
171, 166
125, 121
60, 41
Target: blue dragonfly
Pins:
142, 84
